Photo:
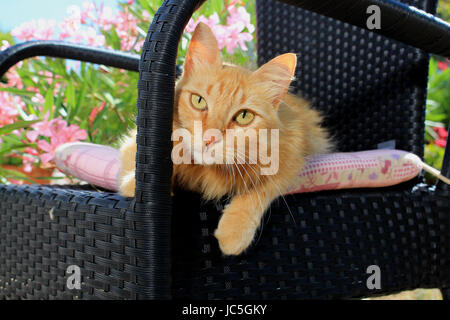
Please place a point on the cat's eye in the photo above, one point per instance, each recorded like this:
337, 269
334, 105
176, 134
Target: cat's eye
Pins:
198, 102
244, 117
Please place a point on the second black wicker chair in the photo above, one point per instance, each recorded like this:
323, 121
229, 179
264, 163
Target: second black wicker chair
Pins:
372, 89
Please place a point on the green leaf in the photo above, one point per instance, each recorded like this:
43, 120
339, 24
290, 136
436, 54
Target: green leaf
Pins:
13, 174
49, 178
70, 94
16, 125
20, 92
79, 101
16, 147
49, 101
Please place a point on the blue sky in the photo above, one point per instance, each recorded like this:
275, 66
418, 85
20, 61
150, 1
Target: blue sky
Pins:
14, 12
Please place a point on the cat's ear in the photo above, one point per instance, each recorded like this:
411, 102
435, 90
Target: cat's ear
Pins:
276, 75
203, 49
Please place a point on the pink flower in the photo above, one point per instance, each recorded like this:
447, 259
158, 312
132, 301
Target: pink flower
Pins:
236, 33
126, 28
240, 16
9, 108
41, 128
212, 22
28, 163
82, 25
7, 115
95, 113
443, 133
14, 80
237, 37
441, 142
69, 28
59, 133
88, 12
106, 18
35, 30
31, 151
19, 182
38, 99
442, 65
25, 31
49, 149
92, 38
73, 133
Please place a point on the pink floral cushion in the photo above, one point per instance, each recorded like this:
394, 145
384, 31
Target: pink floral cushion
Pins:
100, 166
96, 164
364, 169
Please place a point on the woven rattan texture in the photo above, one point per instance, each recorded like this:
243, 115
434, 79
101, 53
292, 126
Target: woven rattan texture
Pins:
398, 21
371, 89
45, 230
154, 129
319, 249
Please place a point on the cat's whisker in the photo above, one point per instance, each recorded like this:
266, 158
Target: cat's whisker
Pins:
245, 184
262, 224
263, 209
284, 199
232, 178
281, 194
254, 186
226, 181
256, 173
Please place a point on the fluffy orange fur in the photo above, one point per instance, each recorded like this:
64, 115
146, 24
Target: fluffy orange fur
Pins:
227, 90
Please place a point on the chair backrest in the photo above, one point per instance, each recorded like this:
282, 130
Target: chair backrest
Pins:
370, 89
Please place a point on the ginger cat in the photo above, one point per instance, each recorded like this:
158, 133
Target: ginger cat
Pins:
227, 97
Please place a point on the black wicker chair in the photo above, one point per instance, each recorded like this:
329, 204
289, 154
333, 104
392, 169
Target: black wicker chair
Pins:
372, 89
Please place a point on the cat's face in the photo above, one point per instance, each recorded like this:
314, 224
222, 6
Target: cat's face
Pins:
223, 100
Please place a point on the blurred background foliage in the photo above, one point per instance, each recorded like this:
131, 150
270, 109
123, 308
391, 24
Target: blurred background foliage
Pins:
438, 103
74, 101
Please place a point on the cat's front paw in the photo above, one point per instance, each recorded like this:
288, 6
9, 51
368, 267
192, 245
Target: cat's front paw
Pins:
235, 232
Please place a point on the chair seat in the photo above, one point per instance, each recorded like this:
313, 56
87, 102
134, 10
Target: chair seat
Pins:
325, 251
313, 250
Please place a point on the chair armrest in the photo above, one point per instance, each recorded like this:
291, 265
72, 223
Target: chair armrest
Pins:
64, 50
153, 203
445, 170
58, 49
398, 21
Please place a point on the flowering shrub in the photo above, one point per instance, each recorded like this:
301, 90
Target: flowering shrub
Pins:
437, 113
232, 34
47, 102
438, 104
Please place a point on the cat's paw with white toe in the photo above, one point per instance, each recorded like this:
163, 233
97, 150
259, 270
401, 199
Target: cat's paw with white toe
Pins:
235, 233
